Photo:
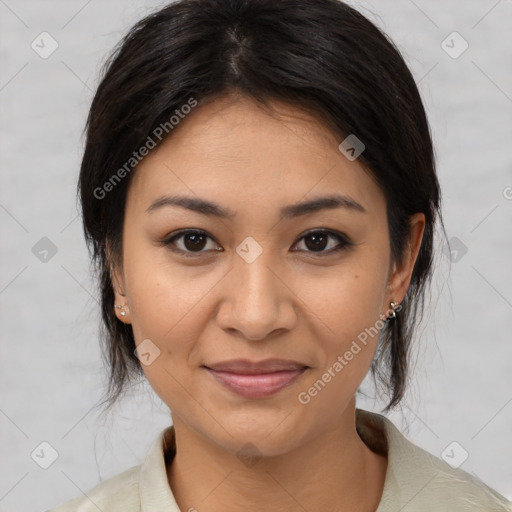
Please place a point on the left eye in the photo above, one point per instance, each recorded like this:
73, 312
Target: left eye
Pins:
317, 241
195, 241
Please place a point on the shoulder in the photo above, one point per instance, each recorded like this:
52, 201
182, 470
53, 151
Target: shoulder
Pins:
144, 486
117, 494
435, 485
418, 481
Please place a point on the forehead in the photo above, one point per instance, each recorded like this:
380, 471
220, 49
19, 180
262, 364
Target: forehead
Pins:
232, 150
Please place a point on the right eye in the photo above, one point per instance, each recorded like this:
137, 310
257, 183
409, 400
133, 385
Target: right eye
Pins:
191, 241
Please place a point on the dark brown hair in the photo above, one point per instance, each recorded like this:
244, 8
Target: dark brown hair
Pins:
319, 55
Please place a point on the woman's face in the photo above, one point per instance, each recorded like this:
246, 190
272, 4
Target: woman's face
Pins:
268, 279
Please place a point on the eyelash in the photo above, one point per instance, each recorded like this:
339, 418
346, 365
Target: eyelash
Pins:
344, 242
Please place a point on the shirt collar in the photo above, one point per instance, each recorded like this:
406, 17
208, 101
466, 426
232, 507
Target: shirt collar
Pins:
376, 431
155, 493
381, 436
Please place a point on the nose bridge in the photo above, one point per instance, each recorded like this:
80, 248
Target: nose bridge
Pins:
257, 301
257, 282
257, 290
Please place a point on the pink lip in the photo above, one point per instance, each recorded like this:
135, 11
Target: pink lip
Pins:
256, 379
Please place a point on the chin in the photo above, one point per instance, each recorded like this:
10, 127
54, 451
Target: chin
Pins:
263, 435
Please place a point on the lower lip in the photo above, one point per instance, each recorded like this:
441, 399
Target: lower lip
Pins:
256, 386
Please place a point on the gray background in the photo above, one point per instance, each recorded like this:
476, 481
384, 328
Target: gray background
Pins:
51, 372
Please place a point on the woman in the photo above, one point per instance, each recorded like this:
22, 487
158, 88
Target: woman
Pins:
259, 192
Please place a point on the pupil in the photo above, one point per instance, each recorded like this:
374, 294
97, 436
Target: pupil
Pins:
316, 237
195, 237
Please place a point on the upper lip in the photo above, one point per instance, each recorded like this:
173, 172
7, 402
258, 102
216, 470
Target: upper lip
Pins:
247, 367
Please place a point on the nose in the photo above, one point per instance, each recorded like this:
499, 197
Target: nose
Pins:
258, 301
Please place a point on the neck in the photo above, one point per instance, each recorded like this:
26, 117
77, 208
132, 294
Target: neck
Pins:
336, 471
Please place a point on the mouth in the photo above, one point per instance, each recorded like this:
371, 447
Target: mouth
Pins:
256, 379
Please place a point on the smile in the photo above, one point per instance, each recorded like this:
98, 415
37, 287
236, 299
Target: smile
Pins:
256, 380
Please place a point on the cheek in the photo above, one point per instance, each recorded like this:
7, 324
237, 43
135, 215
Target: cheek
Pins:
346, 302
346, 309
160, 316
168, 308
156, 305
159, 295
347, 312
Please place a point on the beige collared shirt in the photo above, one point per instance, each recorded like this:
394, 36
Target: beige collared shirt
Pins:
416, 481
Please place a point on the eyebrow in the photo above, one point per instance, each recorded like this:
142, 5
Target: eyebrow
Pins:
211, 209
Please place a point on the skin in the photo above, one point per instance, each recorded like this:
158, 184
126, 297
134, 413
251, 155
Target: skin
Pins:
293, 301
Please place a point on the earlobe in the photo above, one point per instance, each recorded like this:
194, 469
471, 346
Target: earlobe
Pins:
123, 311
118, 285
121, 306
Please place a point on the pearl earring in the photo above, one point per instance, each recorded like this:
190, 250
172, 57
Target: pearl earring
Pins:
123, 313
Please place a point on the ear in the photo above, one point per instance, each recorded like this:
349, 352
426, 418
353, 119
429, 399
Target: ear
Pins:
118, 284
400, 276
